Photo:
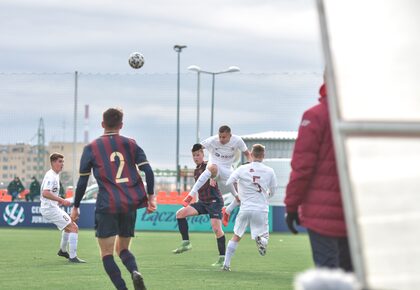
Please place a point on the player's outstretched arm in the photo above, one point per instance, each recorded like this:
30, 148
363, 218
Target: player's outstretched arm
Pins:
80, 189
150, 181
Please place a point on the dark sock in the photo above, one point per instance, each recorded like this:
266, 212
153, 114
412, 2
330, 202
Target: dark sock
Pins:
183, 228
128, 260
113, 272
221, 245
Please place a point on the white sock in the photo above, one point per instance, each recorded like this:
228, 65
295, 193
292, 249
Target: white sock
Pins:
202, 179
232, 206
73, 245
231, 248
64, 241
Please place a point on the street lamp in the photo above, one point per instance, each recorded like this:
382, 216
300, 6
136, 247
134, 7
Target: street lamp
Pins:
178, 48
199, 70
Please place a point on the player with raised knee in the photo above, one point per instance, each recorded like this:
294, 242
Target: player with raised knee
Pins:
256, 183
51, 211
210, 201
222, 150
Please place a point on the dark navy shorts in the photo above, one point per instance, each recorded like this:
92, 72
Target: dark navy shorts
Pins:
109, 225
212, 208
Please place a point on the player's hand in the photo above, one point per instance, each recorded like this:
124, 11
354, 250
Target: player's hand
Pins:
66, 202
187, 200
74, 214
237, 199
292, 218
213, 182
151, 204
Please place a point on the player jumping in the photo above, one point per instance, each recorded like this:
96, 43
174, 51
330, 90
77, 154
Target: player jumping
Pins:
222, 150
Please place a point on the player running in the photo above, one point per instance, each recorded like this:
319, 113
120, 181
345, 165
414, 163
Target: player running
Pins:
256, 182
51, 211
210, 201
115, 161
222, 150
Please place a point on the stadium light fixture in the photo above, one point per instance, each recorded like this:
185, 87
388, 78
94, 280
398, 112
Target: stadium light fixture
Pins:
197, 69
178, 49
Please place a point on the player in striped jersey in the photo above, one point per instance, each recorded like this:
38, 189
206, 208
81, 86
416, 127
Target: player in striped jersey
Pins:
256, 182
210, 201
115, 161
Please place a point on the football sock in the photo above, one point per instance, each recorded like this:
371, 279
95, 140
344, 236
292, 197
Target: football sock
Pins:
128, 260
231, 248
232, 206
202, 179
73, 245
114, 273
221, 245
183, 228
64, 241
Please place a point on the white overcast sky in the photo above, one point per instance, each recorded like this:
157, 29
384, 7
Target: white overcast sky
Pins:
276, 44
98, 35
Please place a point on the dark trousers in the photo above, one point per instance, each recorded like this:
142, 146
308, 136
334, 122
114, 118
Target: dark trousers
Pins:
14, 195
330, 252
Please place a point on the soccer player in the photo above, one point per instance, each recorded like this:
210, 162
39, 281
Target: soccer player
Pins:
210, 201
51, 211
256, 182
115, 161
222, 150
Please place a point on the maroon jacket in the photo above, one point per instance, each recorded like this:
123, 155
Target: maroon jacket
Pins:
313, 186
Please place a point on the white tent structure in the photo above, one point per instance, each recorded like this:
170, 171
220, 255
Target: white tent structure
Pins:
372, 54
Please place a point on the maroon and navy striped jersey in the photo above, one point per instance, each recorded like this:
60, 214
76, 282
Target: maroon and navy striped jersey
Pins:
114, 160
206, 193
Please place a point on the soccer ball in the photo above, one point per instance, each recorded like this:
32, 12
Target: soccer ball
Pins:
136, 60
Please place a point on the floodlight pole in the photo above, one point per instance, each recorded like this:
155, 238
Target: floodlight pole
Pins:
178, 49
199, 70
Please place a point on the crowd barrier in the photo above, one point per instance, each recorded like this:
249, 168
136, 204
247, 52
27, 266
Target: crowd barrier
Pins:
27, 214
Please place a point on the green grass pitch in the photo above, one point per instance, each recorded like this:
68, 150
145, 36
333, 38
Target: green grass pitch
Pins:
28, 260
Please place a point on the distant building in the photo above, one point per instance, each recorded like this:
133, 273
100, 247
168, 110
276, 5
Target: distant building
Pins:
22, 160
18, 160
278, 144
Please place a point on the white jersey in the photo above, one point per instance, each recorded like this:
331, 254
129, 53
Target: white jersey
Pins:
50, 182
223, 154
256, 182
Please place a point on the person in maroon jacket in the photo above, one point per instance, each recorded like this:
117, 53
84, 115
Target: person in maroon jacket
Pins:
313, 197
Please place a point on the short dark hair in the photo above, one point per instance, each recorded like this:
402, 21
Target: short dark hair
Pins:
112, 118
55, 156
197, 147
224, 129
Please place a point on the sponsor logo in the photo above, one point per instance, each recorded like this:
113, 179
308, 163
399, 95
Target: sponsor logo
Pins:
305, 123
13, 214
223, 156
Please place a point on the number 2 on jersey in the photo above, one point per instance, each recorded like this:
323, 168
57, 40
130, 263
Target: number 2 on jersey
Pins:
118, 178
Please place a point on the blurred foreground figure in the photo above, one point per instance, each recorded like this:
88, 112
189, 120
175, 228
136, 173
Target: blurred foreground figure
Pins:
326, 279
313, 196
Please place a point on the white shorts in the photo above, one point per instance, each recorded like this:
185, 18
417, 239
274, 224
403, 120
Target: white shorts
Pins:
223, 173
256, 220
57, 216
